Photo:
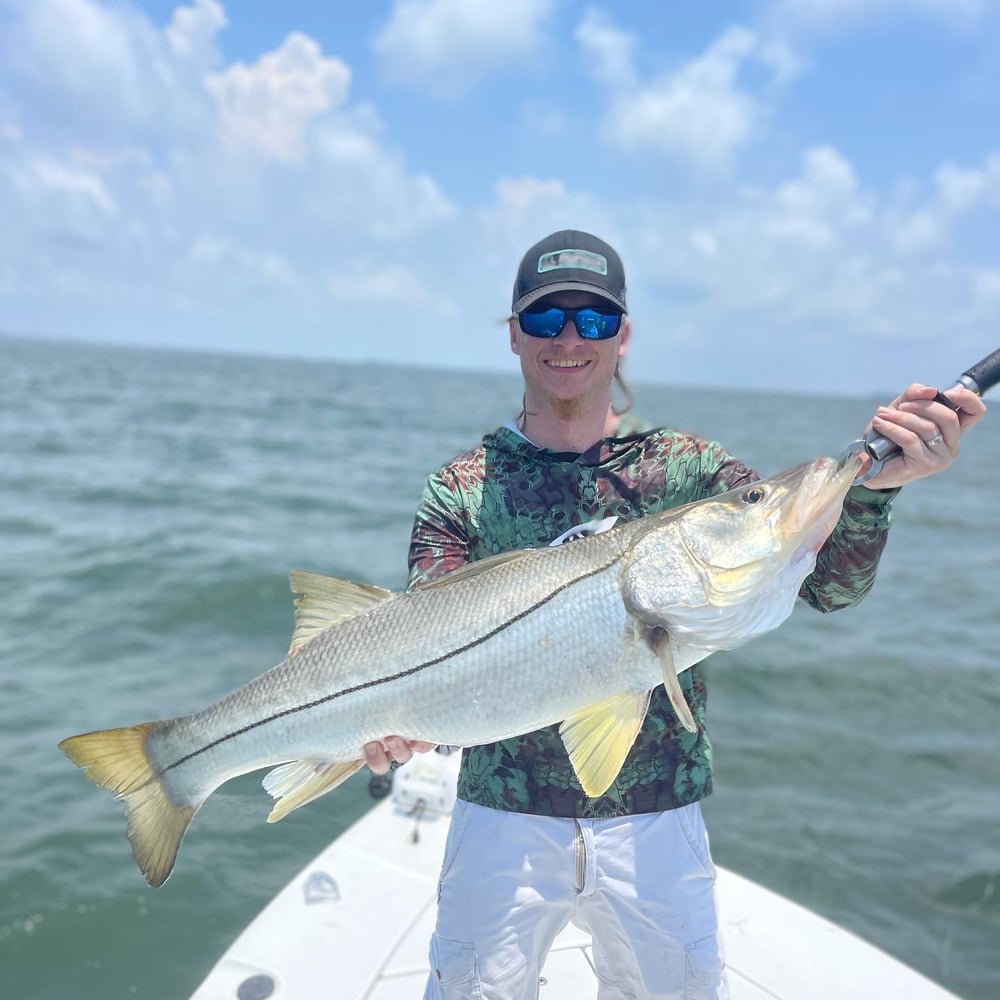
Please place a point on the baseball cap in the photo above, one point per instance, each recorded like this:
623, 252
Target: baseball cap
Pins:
570, 260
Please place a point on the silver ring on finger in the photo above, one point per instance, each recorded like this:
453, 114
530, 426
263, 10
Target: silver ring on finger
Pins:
934, 441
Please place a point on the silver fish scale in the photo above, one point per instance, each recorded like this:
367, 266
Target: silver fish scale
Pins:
468, 664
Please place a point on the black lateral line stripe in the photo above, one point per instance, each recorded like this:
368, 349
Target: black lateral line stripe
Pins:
395, 677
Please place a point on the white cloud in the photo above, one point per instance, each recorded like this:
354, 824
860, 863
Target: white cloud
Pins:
219, 251
697, 113
192, 30
446, 46
368, 282
266, 108
815, 208
517, 198
45, 174
111, 64
926, 226
146, 183
610, 50
306, 178
815, 261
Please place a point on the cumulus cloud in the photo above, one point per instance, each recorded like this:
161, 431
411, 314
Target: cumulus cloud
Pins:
44, 174
610, 50
199, 183
368, 281
516, 198
146, 182
924, 226
822, 203
816, 260
217, 250
266, 108
446, 46
697, 113
192, 30
110, 64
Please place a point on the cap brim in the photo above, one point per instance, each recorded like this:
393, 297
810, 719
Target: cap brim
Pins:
567, 286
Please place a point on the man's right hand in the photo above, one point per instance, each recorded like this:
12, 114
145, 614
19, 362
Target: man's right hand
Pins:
380, 754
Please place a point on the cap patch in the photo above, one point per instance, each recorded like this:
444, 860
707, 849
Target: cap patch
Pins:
586, 260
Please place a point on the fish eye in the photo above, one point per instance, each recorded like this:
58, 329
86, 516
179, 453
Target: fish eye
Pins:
752, 495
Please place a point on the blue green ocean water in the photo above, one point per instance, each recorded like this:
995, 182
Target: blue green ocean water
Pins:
151, 506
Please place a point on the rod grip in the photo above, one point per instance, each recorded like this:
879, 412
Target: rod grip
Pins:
985, 374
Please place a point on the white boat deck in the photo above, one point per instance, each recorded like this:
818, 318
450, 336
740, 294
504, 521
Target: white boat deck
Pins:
355, 923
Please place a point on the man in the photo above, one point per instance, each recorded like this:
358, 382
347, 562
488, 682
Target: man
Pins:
527, 849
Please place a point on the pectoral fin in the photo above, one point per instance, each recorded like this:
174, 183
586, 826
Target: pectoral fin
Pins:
660, 642
599, 739
293, 785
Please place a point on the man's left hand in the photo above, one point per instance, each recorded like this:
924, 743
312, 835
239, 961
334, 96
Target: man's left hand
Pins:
928, 432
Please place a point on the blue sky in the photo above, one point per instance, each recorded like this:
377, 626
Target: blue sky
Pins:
806, 194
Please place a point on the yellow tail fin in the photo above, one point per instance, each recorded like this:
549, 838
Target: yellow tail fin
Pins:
116, 759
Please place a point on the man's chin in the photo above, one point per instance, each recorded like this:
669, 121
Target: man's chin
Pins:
566, 409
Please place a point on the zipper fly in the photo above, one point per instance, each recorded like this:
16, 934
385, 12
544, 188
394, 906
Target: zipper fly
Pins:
586, 863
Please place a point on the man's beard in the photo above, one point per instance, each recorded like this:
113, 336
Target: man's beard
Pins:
566, 409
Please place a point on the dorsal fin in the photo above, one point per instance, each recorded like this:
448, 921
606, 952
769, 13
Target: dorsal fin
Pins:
326, 600
477, 567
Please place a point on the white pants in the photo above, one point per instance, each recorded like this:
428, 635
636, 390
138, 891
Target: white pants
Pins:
644, 886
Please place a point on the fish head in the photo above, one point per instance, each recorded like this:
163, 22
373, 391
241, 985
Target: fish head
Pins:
730, 566
755, 529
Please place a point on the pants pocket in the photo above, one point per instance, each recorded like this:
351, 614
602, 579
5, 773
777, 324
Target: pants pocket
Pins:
454, 970
692, 826
459, 823
705, 971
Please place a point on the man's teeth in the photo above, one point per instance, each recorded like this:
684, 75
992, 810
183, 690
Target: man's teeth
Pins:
566, 364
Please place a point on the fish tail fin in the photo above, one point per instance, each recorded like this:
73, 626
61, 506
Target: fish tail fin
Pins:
116, 759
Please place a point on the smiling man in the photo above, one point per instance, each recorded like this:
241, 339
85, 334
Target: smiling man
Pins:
528, 851
569, 328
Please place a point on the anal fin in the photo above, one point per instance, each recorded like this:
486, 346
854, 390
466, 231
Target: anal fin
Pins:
301, 781
598, 739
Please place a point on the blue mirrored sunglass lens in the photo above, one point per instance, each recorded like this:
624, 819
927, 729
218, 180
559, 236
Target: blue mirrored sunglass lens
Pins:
548, 323
594, 325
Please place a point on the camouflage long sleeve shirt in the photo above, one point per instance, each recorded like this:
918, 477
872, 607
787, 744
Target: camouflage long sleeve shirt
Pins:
507, 494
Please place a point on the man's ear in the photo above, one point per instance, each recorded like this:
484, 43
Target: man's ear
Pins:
624, 337
515, 347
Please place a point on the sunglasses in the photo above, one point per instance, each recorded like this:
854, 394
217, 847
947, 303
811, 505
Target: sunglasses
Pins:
590, 323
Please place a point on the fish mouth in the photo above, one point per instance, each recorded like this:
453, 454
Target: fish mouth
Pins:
817, 507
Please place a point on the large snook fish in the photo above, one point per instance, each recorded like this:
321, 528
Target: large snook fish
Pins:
578, 634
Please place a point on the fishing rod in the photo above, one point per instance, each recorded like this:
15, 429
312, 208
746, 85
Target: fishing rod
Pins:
980, 377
